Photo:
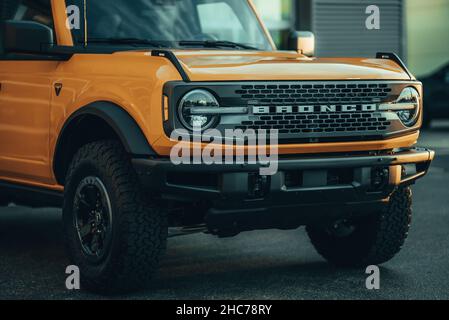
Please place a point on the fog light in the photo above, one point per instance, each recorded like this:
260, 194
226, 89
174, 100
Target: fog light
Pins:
258, 186
379, 178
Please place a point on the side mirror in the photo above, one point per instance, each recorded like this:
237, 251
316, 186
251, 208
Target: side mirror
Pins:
302, 42
26, 37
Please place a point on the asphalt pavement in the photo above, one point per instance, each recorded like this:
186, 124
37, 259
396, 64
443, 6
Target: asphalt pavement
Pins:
255, 265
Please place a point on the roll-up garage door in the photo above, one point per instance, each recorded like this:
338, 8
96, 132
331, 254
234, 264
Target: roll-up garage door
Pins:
340, 28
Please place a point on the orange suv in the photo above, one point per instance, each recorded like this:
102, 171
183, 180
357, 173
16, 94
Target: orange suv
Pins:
93, 92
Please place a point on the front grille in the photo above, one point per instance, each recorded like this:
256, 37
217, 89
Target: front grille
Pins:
304, 111
315, 93
318, 123
295, 123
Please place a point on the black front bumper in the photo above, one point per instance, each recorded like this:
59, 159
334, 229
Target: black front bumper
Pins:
304, 189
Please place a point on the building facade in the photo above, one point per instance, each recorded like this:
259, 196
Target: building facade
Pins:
416, 30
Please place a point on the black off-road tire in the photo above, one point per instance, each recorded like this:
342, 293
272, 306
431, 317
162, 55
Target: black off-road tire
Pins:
375, 239
139, 228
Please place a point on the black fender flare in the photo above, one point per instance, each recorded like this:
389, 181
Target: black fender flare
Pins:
119, 120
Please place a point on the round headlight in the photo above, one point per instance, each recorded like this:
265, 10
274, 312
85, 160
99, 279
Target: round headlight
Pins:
196, 110
410, 100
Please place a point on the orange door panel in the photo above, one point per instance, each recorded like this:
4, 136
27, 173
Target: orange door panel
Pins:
25, 95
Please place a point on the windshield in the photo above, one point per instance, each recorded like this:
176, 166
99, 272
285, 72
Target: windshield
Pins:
171, 23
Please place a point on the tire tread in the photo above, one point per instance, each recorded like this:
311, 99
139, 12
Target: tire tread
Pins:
142, 227
381, 241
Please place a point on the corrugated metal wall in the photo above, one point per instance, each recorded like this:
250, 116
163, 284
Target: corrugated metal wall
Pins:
341, 30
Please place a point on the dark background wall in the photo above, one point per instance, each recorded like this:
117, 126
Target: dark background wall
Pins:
415, 29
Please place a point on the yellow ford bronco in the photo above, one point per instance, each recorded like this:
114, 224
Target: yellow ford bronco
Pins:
146, 119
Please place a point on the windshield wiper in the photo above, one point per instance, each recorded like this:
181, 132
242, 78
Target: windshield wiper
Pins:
128, 41
216, 44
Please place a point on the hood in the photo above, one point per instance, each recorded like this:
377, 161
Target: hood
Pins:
202, 65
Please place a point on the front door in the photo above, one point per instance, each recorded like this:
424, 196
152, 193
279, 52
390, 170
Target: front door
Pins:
25, 96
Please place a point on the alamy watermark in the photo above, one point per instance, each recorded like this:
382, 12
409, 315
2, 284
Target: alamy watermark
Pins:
252, 147
73, 21
372, 22
212, 147
373, 280
72, 282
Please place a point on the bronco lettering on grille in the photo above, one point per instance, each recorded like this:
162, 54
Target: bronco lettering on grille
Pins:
315, 109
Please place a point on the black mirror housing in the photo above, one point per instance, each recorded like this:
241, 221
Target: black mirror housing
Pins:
26, 37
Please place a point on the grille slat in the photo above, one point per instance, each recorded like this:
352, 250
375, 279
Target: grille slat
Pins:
313, 93
345, 122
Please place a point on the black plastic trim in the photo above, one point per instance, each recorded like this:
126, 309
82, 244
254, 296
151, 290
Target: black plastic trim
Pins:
153, 173
59, 53
174, 60
126, 128
31, 196
394, 57
33, 57
224, 222
307, 162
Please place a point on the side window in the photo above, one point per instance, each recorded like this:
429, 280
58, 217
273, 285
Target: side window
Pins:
27, 10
